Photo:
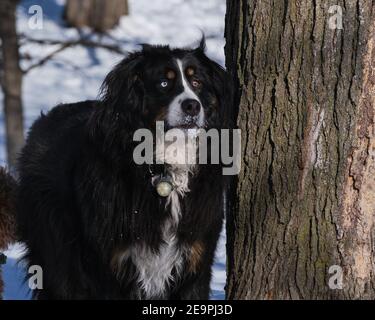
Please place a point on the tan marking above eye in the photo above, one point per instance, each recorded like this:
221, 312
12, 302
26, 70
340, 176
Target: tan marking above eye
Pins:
190, 71
170, 74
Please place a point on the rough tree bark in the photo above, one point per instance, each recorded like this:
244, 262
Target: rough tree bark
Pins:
305, 198
11, 80
100, 15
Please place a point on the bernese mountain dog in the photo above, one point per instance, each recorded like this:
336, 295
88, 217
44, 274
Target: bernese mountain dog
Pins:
92, 218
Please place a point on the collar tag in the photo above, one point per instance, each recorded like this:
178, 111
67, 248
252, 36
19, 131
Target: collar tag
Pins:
164, 186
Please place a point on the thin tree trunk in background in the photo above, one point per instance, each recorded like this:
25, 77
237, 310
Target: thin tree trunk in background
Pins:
305, 198
100, 15
11, 80
7, 221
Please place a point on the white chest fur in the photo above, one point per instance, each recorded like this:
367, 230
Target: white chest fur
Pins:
158, 270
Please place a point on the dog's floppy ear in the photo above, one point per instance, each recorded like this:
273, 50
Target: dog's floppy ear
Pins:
119, 109
202, 44
122, 86
223, 86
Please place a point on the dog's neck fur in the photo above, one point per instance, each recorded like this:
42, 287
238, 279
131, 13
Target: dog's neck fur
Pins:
179, 172
156, 271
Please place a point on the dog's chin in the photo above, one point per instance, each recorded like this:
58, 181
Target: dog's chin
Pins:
185, 126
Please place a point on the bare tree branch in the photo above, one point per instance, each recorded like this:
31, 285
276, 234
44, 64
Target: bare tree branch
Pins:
45, 59
67, 44
82, 42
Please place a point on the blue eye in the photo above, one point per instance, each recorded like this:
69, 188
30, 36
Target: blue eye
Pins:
164, 84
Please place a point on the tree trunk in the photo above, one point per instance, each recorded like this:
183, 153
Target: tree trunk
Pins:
100, 15
305, 198
7, 223
11, 80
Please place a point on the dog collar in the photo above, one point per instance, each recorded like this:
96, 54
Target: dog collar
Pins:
3, 258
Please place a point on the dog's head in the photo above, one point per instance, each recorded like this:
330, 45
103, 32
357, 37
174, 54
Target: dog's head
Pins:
181, 87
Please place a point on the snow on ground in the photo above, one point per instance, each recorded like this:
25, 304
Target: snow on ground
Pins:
76, 74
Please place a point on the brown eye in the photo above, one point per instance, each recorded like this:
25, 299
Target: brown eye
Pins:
195, 83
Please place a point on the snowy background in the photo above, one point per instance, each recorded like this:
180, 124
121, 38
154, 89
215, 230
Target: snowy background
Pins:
76, 74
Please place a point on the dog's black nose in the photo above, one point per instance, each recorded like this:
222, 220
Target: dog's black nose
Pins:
191, 107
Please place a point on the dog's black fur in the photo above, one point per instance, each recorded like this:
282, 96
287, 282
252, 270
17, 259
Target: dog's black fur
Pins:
81, 198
